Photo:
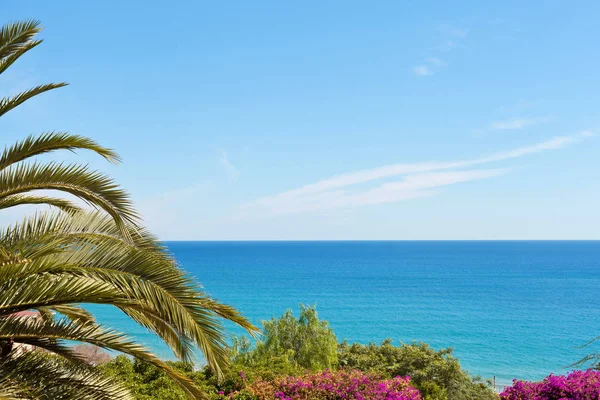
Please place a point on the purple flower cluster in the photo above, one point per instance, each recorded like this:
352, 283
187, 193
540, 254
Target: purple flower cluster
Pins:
578, 385
350, 385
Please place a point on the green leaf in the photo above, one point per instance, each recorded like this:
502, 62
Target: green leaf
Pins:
8, 103
35, 145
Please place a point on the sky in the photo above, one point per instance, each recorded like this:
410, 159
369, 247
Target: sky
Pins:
328, 120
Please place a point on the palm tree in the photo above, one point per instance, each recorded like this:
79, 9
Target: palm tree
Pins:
54, 261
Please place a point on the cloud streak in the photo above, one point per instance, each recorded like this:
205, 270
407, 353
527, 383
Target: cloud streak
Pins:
431, 65
422, 70
232, 171
412, 181
518, 123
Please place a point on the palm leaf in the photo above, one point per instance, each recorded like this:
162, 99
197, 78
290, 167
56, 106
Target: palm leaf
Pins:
90, 186
15, 55
180, 310
8, 103
175, 307
35, 145
50, 227
36, 291
19, 200
71, 311
40, 376
13, 37
51, 334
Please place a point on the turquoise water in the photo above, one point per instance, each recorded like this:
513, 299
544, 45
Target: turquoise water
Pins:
509, 309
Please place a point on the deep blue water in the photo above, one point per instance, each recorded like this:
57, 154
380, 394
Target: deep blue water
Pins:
509, 309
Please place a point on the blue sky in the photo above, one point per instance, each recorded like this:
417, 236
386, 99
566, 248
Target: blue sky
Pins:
329, 120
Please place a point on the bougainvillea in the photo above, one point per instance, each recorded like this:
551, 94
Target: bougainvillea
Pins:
327, 385
578, 385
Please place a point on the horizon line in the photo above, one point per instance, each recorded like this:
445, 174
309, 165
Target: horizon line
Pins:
377, 240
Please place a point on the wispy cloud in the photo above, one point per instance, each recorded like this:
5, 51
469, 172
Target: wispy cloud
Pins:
451, 35
410, 187
422, 70
432, 65
229, 167
436, 61
518, 123
416, 180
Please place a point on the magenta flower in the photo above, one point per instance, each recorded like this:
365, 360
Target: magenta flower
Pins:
578, 385
349, 385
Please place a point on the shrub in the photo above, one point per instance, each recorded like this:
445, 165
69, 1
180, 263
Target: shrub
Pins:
146, 381
305, 342
578, 385
436, 373
291, 357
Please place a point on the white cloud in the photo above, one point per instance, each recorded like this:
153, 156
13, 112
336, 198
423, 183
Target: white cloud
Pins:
518, 123
409, 187
417, 180
229, 167
422, 70
451, 36
433, 64
436, 61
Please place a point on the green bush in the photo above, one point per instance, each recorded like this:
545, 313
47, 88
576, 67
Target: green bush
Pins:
295, 346
437, 374
289, 342
146, 381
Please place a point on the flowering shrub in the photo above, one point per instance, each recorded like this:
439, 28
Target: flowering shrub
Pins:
348, 385
578, 385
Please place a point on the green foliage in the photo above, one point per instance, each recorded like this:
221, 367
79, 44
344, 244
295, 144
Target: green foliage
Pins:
244, 395
291, 348
268, 365
437, 374
291, 344
145, 381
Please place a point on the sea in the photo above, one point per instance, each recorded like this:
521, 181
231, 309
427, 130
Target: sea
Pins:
509, 309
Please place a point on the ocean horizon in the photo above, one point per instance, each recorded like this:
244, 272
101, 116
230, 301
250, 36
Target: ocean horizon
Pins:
509, 309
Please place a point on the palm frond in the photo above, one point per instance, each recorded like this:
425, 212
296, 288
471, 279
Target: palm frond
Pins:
91, 186
19, 200
180, 309
35, 145
50, 334
45, 313
73, 312
51, 227
14, 36
8, 103
181, 345
15, 55
34, 375
175, 307
36, 291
